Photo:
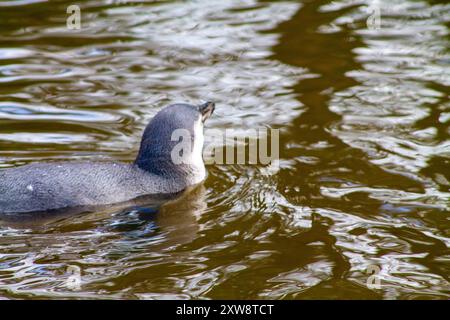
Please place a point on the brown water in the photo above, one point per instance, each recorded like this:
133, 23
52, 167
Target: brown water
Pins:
363, 185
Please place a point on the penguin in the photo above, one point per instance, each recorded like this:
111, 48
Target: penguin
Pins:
169, 161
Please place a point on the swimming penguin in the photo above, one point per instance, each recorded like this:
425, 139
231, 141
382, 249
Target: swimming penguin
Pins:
41, 187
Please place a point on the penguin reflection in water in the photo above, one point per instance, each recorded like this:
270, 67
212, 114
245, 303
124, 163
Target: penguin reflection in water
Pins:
70, 186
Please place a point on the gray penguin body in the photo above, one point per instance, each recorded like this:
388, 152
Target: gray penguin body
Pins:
42, 187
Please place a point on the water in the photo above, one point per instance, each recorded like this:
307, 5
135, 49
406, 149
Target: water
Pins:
363, 113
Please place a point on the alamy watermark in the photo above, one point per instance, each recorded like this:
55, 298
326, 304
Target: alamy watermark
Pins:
255, 147
73, 21
73, 282
373, 22
373, 281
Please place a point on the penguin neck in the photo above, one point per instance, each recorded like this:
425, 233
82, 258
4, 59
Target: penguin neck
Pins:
188, 173
156, 157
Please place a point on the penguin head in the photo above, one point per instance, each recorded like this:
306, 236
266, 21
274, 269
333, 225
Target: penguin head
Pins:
172, 142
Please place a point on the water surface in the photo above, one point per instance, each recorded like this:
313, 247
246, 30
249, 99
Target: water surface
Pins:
364, 175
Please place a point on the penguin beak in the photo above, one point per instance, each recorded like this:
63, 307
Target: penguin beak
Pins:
207, 110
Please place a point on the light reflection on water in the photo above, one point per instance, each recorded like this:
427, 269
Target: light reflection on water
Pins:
364, 177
